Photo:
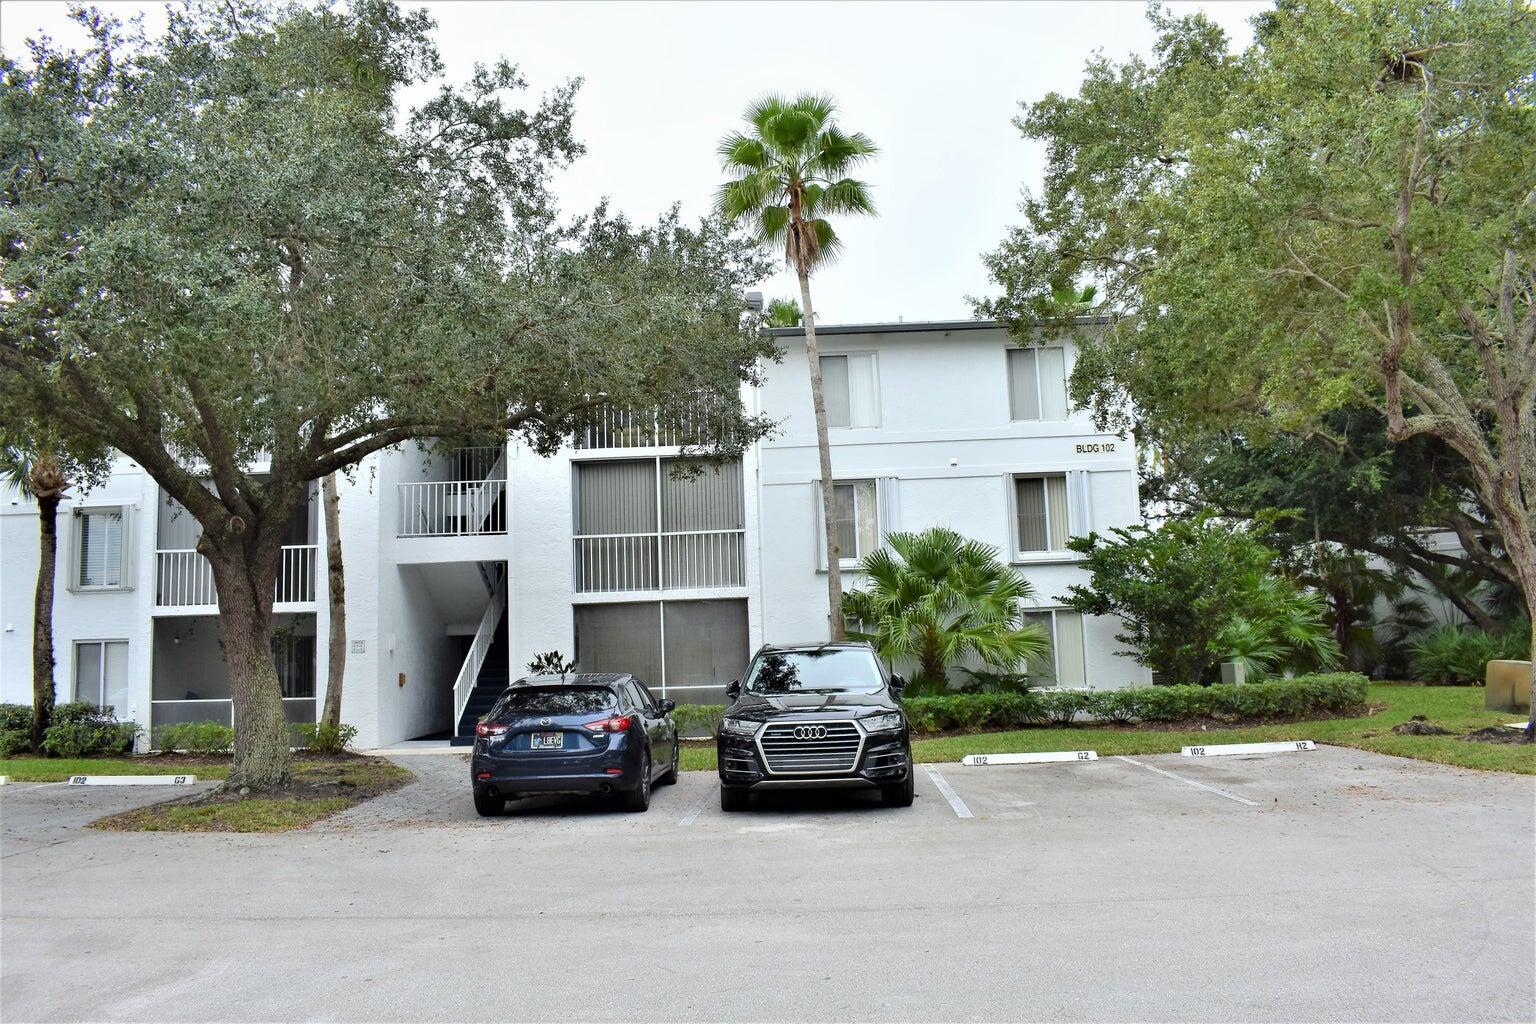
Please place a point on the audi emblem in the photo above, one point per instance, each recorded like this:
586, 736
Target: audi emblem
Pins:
810, 732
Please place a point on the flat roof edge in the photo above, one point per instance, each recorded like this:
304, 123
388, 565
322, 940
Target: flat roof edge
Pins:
911, 327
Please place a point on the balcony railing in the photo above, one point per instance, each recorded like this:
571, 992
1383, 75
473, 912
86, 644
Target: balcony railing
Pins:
452, 508
621, 562
184, 579
619, 427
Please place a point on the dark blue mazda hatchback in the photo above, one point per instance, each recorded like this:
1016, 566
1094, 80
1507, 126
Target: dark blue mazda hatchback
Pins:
596, 733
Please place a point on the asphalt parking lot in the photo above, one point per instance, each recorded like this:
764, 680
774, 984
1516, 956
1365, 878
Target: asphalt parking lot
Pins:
1330, 885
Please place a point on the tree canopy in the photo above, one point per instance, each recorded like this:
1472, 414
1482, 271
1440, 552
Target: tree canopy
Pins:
1342, 214
231, 238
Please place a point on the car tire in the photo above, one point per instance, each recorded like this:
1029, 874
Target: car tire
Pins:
639, 798
733, 799
899, 795
670, 779
488, 806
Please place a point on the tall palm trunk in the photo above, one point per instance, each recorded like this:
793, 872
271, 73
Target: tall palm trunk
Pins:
42, 618
824, 453
338, 603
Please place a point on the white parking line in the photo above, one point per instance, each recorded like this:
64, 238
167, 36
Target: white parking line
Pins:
948, 792
1187, 782
695, 810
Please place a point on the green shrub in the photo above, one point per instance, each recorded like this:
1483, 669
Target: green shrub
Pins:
1450, 655
15, 729
1323, 693
81, 729
698, 719
194, 737
323, 738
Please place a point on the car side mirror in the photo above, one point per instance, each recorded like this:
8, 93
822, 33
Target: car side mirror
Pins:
667, 706
733, 689
898, 683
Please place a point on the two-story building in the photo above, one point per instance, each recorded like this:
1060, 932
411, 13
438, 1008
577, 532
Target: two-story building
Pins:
463, 564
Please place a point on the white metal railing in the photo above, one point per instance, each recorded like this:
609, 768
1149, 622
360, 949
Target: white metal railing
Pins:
473, 504
485, 635
184, 578
616, 562
452, 508
612, 426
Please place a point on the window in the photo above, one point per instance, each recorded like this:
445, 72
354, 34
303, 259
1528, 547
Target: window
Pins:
863, 512
1041, 513
849, 388
640, 526
1064, 664
854, 512
1037, 383
101, 674
99, 549
693, 647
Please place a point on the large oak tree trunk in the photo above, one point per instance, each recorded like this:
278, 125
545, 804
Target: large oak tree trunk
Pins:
338, 603
42, 619
245, 581
824, 454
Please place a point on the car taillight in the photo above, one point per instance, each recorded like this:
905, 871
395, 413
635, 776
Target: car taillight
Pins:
618, 723
490, 729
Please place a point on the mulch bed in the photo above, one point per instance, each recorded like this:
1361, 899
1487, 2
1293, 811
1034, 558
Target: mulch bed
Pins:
325, 783
1497, 734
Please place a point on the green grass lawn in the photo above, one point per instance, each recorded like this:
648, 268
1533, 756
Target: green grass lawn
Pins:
1457, 708
57, 769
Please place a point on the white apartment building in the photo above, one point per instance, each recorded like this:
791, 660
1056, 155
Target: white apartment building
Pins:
463, 565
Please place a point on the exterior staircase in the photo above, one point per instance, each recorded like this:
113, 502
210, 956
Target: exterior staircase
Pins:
489, 685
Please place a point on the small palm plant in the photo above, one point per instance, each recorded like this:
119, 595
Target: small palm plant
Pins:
937, 598
784, 313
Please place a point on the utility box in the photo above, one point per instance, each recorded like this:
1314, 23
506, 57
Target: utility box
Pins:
1233, 672
1509, 686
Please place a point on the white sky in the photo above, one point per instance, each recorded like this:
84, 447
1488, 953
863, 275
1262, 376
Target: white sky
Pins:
934, 85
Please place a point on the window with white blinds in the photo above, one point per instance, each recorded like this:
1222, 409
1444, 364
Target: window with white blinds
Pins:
1065, 664
99, 539
1037, 383
1041, 513
850, 390
863, 512
101, 674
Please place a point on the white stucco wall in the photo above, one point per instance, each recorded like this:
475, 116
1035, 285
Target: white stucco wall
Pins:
944, 434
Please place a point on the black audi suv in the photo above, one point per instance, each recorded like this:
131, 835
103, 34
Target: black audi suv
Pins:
810, 716
602, 733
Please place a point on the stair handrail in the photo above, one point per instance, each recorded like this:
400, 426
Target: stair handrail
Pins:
485, 635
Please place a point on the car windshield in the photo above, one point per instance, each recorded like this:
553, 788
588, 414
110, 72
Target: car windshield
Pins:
820, 670
554, 700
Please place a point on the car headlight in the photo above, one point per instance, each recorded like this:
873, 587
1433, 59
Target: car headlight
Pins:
882, 723
738, 726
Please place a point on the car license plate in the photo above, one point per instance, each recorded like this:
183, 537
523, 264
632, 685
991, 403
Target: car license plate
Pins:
548, 740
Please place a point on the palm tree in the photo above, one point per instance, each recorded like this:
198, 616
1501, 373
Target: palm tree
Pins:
784, 313
38, 471
937, 598
789, 173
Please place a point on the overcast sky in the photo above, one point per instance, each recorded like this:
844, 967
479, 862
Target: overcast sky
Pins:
935, 85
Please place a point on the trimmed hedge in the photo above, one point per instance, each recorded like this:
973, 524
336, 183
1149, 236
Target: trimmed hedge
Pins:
1323, 693
194, 737
15, 729
81, 729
